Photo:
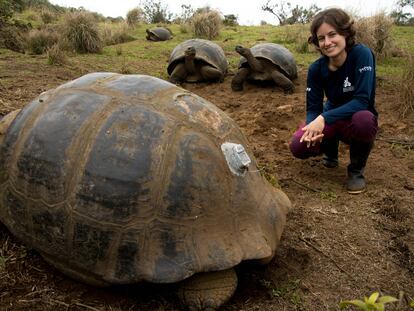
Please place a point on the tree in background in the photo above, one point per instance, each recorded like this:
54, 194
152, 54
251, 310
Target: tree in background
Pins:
135, 16
287, 15
155, 12
230, 20
399, 15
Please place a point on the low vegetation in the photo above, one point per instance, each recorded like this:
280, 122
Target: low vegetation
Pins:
372, 303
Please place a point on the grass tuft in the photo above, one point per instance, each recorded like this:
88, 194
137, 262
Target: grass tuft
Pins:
207, 24
55, 55
82, 32
375, 32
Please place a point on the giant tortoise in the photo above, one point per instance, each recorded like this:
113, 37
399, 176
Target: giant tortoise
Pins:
266, 62
117, 179
158, 34
197, 60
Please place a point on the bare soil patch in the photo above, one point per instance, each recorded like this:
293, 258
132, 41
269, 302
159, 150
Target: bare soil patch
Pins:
335, 246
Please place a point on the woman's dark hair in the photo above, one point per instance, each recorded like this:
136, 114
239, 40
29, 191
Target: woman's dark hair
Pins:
339, 20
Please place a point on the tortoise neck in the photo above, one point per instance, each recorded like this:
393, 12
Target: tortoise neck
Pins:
189, 64
253, 62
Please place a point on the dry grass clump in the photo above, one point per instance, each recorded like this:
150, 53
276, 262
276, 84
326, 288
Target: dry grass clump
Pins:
407, 90
38, 41
115, 33
56, 55
375, 32
207, 24
82, 32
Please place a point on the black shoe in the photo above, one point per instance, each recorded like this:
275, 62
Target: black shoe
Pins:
330, 162
330, 152
358, 153
355, 183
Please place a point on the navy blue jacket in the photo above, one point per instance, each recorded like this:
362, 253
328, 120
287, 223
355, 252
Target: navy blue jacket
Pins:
349, 89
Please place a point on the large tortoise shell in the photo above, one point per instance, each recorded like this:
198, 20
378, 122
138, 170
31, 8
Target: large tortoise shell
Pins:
161, 33
277, 54
206, 51
121, 178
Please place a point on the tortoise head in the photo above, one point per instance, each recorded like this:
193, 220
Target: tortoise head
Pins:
190, 52
242, 50
149, 34
5, 123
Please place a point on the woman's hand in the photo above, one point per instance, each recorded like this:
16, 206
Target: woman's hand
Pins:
313, 132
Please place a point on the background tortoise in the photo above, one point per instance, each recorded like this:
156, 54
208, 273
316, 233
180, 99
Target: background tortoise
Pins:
158, 34
266, 61
117, 179
197, 60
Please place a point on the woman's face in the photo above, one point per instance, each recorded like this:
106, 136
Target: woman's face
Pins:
331, 43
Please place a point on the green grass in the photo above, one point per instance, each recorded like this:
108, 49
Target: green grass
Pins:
251, 35
136, 53
404, 37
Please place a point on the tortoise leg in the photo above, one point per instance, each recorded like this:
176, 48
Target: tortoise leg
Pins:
211, 74
179, 74
208, 291
239, 78
282, 81
6, 121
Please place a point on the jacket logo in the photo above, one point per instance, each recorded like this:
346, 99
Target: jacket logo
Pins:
348, 87
365, 68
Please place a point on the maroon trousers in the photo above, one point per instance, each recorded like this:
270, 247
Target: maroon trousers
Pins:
361, 128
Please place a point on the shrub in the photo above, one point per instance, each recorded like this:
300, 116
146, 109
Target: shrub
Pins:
207, 24
11, 38
115, 34
375, 32
55, 55
134, 17
81, 31
38, 41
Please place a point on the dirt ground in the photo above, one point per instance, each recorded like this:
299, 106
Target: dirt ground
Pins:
335, 246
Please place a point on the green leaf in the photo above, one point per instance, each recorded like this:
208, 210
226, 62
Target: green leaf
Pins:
412, 304
358, 303
379, 306
373, 298
387, 299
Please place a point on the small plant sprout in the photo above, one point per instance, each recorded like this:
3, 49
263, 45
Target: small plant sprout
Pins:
369, 304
